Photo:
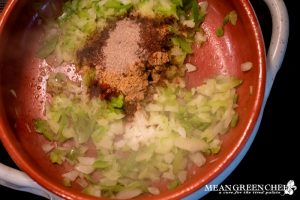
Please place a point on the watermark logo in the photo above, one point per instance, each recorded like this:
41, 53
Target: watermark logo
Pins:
259, 189
290, 188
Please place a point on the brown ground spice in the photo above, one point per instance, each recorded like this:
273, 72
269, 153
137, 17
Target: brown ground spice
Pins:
126, 54
133, 84
122, 46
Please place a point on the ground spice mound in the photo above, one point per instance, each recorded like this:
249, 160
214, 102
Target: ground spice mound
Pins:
122, 46
133, 83
129, 56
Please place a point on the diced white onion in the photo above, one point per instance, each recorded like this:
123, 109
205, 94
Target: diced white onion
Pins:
251, 89
182, 176
203, 5
82, 182
168, 175
128, 194
71, 175
246, 66
198, 159
200, 37
47, 147
153, 190
86, 160
86, 169
13, 92
189, 23
190, 67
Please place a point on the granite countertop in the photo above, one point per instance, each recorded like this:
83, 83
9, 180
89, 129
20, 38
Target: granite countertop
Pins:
272, 156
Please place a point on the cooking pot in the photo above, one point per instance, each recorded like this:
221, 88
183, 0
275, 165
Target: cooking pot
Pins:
22, 93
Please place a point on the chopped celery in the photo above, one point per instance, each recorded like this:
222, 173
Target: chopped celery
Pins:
73, 154
180, 161
177, 2
89, 77
173, 184
117, 102
101, 164
234, 120
191, 144
41, 126
166, 8
48, 47
57, 156
128, 194
231, 18
184, 44
220, 31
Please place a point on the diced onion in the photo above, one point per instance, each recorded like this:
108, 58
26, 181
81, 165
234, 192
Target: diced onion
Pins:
153, 190
47, 147
189, 23
182, 176
246, 66
198, 159
251, 89
13, 92
128, 194
200, 37
203, 5
190, 67
71, 175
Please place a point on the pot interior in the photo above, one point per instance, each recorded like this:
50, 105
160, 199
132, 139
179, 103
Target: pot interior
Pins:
23, 77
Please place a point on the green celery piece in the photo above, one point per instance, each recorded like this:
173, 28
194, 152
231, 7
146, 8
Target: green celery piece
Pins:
73, 154
231, 17
161, 166
180, 161
89, 77
57, 156
56, 83
234, 120
117, 102
117, 5
179, 60
101, 164
47, 47
83, 126
173, 184
148, 171
166, 11
98, 133
215, 150
67, 182
191, 121
41, 126
177, 2
82, 4
187, 5
69, 9
220, 31
63, 122
136, 185
145, 154
183, 43
195, 11
109, 191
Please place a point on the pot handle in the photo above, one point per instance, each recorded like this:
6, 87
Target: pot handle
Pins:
18, 180
279, 40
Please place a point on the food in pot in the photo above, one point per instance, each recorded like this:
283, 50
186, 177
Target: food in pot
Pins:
130, 126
